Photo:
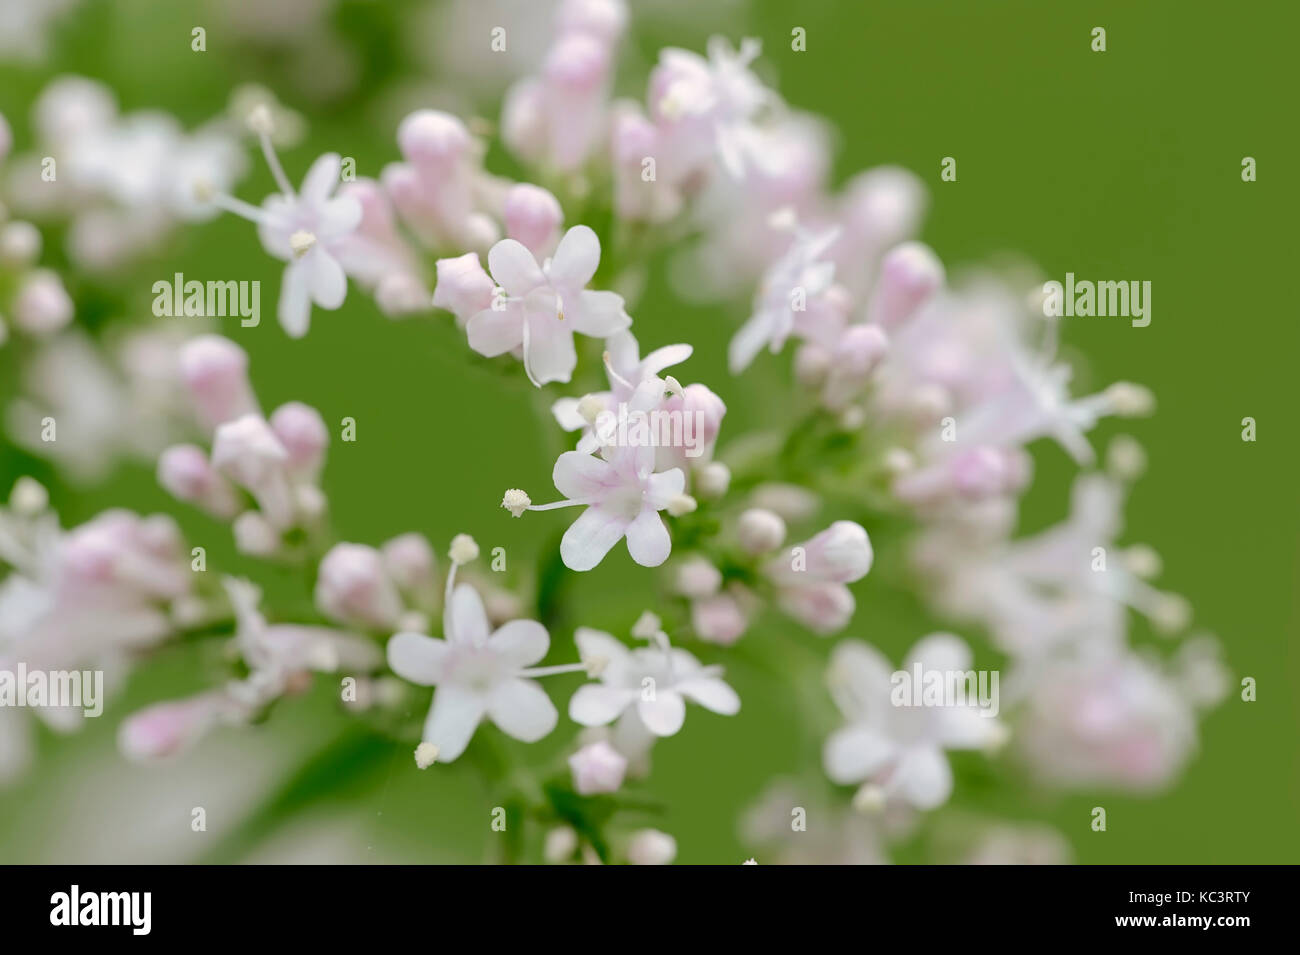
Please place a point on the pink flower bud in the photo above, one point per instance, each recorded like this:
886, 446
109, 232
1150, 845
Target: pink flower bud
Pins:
760, 531
432, 139
533, 216
697, 578
597, 768
651, 847
302, 431
719, 619
463, 288
215, 371
353, 587
247, 452
410, 562
909, 275
42, 305
840, 554
577, 63
185, 473
166, 729
399, 294
859, 351
821, 607
602, 19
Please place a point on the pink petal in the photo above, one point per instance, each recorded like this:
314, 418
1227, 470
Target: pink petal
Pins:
549, 354
326, 282
295, 302
581, 477
595, 704
854, 753
321, 179
599, 314
923, 777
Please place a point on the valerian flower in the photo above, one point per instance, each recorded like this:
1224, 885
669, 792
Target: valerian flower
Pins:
545, 304
479, 673
306, 229
895, 751
649, 685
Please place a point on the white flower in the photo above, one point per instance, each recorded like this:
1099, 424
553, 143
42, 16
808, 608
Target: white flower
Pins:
309, 229
479, 673
652, 684
545, 305
898, 751
803, 269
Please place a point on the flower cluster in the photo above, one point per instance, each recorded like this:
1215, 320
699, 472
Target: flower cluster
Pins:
916, 408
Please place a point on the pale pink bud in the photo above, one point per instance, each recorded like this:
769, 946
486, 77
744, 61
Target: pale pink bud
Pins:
400, 293
185, 473
859, 351
603, 19
577, 63
254, 535
597, 768
760, 531
166, 729
821, 607
840, 554
719, 619
302, 431
20, 244
812, 365
42, 305
697, 578
353, 587
651, 847
523, 120
909, 275
533, 216
247, 452
463, 288
433, 139
215, 371
409, 560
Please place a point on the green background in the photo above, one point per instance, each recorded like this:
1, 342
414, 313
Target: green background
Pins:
1122, 164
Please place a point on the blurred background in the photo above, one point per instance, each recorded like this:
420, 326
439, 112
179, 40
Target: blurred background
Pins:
1122, 164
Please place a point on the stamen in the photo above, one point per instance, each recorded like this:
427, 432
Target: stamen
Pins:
615, 376
516, 501
300, 243
554, 670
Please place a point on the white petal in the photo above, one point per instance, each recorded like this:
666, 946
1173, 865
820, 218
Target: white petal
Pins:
464, 620
549, 354
455, 715
853, 753
295, 301
663, 487
417, 658
748, 342
624, 353
321, 179
492, 332
520, 643
940, 651
598, 645
590, 538
514, 268
595, 704
647, 539
712, 694
599, 314
663, 715
665, 357
580, 477
867, 674
576, 258
326, 282
522, 709
923, 777
338, 217
565, 411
